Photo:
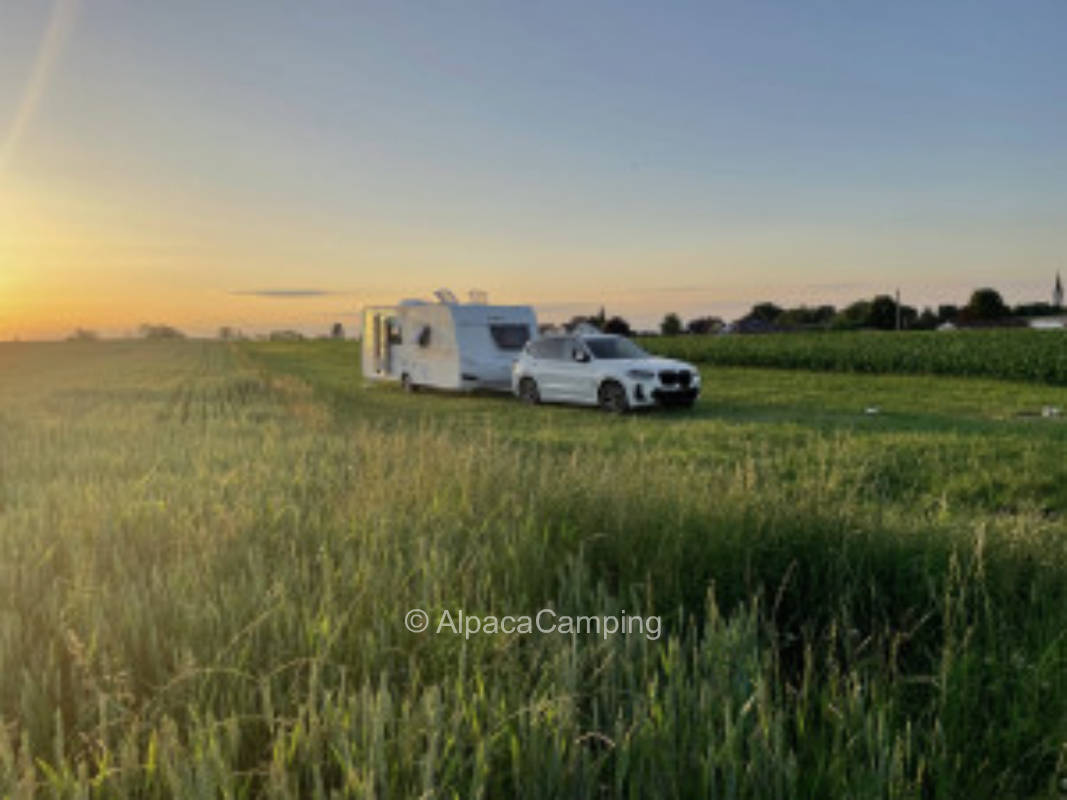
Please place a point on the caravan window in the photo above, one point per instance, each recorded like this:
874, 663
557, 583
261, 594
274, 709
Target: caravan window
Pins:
510, 337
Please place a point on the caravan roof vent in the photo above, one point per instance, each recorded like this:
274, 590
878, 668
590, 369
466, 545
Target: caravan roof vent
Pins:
478, 297
412, 301
445, 296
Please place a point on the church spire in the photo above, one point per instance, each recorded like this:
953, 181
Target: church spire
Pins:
1057, 292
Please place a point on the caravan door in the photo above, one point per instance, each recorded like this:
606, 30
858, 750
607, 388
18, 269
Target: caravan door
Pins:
381, 330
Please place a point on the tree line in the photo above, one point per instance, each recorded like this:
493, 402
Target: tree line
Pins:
226, 333
985, 308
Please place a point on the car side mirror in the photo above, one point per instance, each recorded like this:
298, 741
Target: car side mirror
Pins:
581, 355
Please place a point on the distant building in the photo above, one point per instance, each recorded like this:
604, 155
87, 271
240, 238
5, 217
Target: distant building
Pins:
1049, 323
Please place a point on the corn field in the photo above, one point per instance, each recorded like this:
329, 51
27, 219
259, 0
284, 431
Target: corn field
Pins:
1023, 355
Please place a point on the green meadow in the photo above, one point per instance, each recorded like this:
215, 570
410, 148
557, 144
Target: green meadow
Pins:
207, 552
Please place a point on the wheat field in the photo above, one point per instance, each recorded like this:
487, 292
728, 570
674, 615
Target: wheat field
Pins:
207, 552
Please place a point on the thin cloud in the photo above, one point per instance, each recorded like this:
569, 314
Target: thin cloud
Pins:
283, 292
590, 306
669, 289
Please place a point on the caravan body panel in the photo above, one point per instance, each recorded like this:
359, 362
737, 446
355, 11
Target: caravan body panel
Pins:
446, 346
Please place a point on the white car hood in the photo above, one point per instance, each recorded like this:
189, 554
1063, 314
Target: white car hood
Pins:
654, 364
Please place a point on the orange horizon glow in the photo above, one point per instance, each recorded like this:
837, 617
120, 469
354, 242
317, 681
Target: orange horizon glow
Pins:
152, 174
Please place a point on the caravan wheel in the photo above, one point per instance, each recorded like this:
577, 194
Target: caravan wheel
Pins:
407, 384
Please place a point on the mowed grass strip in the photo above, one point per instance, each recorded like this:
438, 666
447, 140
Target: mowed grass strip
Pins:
206, 555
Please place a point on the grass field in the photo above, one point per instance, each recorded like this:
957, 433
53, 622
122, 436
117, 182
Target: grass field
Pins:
207, 552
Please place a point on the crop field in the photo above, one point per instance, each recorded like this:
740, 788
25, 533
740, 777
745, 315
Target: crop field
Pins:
1016, 354
208, 552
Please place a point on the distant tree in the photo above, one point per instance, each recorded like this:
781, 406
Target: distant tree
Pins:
824, 314
286, 336
582, 319
806, 317
926, 321
671, 325
83, 335
160, 332
855, 315
228, 333
767, 312
985, 304
617, 325
947, 313
701, 325
883, 313
337, 331
1036, 310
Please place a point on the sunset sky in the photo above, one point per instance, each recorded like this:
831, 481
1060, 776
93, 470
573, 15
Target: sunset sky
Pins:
269, 165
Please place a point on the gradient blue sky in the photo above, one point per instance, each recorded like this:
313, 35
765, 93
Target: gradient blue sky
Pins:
165, 161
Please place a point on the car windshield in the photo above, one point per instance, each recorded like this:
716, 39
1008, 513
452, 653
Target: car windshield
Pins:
614, 347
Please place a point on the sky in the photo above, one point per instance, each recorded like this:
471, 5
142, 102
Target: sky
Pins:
279, 165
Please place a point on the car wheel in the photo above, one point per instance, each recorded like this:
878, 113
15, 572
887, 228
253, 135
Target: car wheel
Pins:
528, 391
612, 397
407, 384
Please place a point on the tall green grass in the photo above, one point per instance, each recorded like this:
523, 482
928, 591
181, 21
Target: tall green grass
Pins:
1026, 355
205, 566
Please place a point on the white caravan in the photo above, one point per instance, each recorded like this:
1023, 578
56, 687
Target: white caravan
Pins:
447, 344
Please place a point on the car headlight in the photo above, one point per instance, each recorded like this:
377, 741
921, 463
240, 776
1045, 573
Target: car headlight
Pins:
641, 374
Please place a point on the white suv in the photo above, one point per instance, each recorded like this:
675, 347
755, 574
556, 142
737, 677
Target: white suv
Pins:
601, 369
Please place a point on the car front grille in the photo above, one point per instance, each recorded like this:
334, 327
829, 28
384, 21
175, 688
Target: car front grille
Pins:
670, 377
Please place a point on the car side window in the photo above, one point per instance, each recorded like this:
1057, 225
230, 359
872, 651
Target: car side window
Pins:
560, 348
551, 349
